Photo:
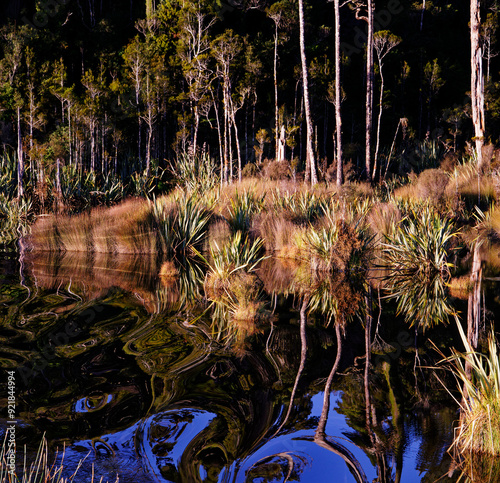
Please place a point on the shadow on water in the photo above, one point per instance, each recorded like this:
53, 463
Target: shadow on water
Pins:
122, 358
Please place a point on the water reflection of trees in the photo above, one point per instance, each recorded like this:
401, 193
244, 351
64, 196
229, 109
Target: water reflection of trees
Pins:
152, 353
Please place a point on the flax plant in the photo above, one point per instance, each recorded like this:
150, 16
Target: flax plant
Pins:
415, 256
478, 381
301, 207
183, 224
195, 172
232, 285
242, 209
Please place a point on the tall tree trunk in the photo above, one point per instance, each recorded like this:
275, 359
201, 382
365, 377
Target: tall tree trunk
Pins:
338, 117
477, 81
379, 121
276, 110
369, 91
238, 149
310, 161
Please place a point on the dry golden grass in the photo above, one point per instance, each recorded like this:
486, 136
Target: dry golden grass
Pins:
278, 233
219, 232
460, 287
44, 235
383, 218
124, 228
467, 182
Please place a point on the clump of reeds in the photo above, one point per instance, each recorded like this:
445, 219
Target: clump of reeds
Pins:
478, 378
416, 259
41, 469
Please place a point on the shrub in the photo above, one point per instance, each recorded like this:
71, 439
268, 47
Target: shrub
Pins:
276, 170
431, 184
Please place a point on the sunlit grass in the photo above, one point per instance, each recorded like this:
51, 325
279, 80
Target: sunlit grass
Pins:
478, 381
42, 469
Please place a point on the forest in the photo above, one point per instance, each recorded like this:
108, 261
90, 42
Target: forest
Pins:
113, 91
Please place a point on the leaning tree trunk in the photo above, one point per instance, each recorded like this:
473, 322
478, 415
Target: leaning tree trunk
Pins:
338, 117
477, 81
310, 161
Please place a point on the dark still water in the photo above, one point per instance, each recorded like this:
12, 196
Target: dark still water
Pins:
143, 378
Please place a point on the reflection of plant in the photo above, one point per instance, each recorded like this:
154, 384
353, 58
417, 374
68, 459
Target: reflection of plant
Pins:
416, 259
478, 378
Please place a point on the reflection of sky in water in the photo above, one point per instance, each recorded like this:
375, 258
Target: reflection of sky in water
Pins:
320, 463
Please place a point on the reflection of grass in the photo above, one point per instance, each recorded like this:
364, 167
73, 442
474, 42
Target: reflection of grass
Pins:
39, 470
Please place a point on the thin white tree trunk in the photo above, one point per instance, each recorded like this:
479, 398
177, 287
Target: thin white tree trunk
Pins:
276, 110
310, 161
477, 81
379, 121
369, 91
338, 85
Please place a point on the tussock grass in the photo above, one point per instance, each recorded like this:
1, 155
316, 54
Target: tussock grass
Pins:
469, 184
478, 380
278, 233
383, 218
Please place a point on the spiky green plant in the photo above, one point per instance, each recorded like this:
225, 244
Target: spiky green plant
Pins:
301, 207
415, 256
15, 218
195, 172
478, 381
241, 210
233, 287
182, 225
